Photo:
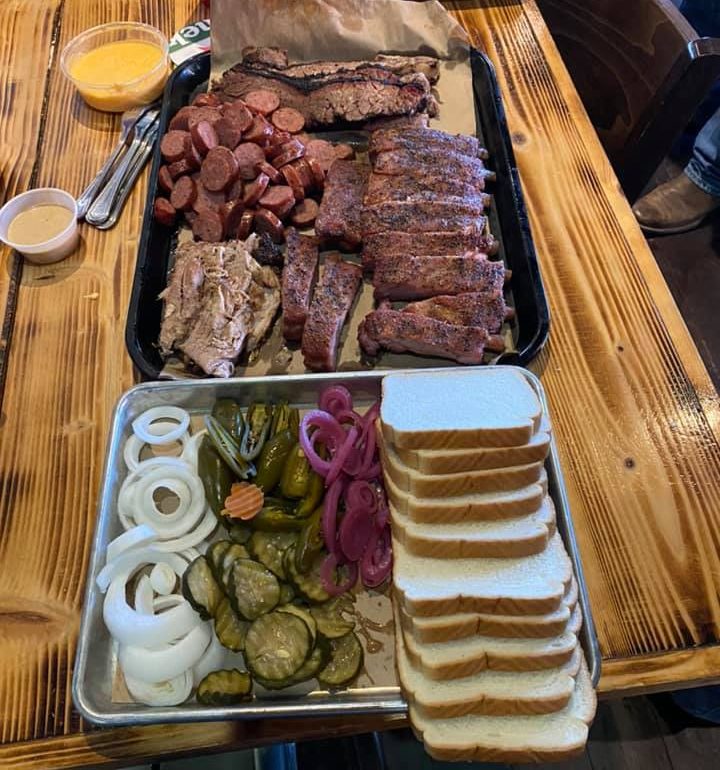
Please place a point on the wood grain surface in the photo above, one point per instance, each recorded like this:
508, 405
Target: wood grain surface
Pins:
635, 415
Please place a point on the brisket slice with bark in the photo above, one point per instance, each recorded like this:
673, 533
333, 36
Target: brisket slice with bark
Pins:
352, 97
331, 303
386, 187
420, 277
421, 120
298, 279
276, 59
339, 219
389, 246
423, 216
486, 309
400, 332
423, 139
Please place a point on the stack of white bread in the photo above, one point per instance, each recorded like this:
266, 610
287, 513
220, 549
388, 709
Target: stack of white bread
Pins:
485, 601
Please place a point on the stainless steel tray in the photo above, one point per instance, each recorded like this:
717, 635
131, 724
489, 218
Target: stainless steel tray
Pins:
94, 673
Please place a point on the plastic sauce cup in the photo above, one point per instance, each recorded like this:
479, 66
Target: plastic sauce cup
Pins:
52, 250
123, 94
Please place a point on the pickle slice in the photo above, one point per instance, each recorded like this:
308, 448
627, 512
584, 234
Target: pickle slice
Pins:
231, 555
269, 549
229, 628
309, 586
287, 593
214, 556
200, 588
328, 616
277, 645
346, 657
224, 687
303, 614
254, 590
318, 660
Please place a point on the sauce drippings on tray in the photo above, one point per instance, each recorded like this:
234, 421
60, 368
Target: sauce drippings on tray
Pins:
116, 63
39, 224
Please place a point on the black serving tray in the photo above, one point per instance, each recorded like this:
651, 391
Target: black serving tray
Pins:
508, 223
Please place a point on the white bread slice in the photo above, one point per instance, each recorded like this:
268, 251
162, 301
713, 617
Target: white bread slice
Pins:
454, 484
497, 693
542, 738
466, 657
462, 625
481, 458
459, 408
531, 585
476, 507
504, 538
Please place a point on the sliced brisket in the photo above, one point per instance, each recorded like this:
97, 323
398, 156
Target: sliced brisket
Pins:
339, 220
420, 277
332, 300
355, 96
276, 59
421, 120
400, 332
298, 279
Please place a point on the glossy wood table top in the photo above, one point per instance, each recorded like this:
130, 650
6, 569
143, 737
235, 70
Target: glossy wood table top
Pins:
635, 415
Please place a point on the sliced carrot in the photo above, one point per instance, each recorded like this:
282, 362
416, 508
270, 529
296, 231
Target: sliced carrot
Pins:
244, 501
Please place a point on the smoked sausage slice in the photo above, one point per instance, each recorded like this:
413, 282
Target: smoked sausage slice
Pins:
208, 226
164, 212
219, 169
172, 146
254, 191
266, 222
288, 119
249, 157
304, 213
184, 193
229, 131
262, 101
279, 199
204, 136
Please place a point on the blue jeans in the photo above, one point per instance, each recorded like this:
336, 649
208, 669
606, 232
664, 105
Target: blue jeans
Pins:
704, 166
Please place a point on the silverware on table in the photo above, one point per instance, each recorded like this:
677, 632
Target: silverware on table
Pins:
103, 205
129, 119
129, 181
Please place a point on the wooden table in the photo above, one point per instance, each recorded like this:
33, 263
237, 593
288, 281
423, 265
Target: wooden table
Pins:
635, 414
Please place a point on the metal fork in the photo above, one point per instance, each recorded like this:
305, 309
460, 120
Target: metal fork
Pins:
101, 208
129, 119
133, 172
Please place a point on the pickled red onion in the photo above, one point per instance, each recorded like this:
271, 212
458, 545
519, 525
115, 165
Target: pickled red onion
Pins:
335, 399
376, 562
356, 529
327, 575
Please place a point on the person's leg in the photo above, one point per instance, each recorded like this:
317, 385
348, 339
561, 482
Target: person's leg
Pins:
683, 203
704, 15
704, 166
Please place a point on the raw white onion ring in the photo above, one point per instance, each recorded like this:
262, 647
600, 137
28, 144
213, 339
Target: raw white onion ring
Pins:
136, 537
144, 596
190, 554
162, 579
128, 562
133, 447
212, 659
204, 529
130, 627
141, 425
168, 661
172, 692
188, 512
